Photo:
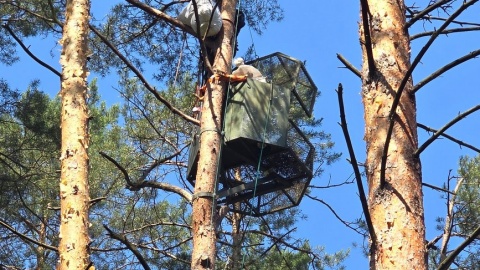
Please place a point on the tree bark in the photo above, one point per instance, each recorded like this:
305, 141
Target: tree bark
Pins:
74, 194
203, 216
396, 207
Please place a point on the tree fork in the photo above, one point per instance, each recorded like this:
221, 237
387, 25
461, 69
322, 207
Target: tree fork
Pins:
203, 213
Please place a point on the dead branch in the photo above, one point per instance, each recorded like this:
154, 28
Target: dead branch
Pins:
143, 184
141, 108
406, 78
356, 170
349, 66
423, 13
27, 51
445, 32
176, 23
163, 16
139, 75
461, 143
437, 188
448, 227
186, 226
445, 264
368, 39
431, 244
123, 239
344, 222
24, 237
97, 200
445, 68
461, 23
444, 128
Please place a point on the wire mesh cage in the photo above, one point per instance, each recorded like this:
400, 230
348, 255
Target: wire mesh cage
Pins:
266, 161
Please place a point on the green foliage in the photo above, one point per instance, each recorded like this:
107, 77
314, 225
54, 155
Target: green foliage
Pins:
28, 18
466, 217
8, 97
29, 151
139, 136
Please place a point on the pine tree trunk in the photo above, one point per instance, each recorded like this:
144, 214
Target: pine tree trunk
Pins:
204, 208
396, 208
74, 197
236, 239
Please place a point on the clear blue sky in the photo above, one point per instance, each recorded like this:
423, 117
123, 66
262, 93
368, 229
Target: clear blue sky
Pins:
316, 31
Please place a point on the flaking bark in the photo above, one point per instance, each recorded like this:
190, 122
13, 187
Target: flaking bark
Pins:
74, 192
396, 208
203, 221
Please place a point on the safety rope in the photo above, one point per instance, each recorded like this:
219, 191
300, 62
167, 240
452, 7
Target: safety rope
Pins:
180, 59
260, 158
216, 79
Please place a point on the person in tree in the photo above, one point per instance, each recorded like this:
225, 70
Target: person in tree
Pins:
247, 70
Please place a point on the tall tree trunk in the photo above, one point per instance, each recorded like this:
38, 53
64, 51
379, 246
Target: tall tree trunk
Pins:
203, 216
74, 197
396, 208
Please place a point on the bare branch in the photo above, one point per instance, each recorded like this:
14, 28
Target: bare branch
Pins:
368, 39
354, 163
150, 88
168, 187
443, 129
461, 143
437, 188
139, 185
445, 264
447, 230
406, 78
346, 223
349, 66
163, 16
30, 53
431, 244
21, 235
445, 32
123, 239
445, 68
424, 12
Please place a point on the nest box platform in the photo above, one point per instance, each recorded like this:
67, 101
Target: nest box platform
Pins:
266, 160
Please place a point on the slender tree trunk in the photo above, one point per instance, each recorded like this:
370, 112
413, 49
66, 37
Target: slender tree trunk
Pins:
42, 235
203, 216
396, 208
237, 235
74, 197
236, 239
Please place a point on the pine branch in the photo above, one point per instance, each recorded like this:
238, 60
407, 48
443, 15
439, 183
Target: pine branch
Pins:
423, 13
445, 32
443, 129
123, 239
445, 264
448, 227
27, 51
461, 143
354, 163
368, 39
349, 66
143, 184
406, 78
139, 75
344, 222
23, 236
176, 23
445, 68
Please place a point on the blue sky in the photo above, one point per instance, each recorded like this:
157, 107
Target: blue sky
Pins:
315, 31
